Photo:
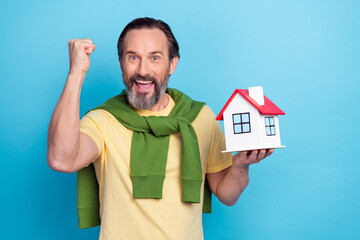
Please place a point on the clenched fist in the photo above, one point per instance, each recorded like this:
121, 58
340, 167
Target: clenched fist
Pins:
79, 51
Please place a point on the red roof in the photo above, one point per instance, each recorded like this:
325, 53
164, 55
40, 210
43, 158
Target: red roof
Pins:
269, 108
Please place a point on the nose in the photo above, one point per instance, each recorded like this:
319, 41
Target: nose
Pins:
143, 68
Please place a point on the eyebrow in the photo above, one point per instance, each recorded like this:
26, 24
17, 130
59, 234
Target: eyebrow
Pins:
130, 52
157, 52
153, 52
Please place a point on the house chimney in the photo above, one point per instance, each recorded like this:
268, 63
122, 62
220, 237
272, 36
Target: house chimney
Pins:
257, 94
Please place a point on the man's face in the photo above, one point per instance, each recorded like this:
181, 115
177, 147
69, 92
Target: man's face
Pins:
146, 66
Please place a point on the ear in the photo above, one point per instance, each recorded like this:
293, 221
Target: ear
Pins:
173, 64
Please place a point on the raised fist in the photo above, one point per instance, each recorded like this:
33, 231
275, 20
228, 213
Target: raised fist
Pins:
79, 51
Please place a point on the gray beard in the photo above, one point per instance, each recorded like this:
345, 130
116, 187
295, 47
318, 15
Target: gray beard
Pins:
140, 101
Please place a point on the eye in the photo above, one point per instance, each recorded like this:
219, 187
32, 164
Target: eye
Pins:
155, 58
132, 58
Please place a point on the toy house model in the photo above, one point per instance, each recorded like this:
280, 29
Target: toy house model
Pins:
250, 121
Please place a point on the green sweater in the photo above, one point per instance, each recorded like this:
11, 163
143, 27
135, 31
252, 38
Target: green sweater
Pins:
151, 139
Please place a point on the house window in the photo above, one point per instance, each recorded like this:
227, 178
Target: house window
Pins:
270, 126
241, 123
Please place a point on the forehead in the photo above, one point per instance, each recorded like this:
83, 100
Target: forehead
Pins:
145, 41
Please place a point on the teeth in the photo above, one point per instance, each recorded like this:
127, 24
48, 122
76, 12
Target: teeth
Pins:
143, 81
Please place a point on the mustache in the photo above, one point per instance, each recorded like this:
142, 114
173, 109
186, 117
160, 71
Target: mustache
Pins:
136, 76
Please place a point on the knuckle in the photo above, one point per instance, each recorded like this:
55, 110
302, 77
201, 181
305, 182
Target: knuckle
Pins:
88, 40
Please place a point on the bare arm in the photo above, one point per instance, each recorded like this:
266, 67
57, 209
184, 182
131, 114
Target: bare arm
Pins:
68, 150
228, 184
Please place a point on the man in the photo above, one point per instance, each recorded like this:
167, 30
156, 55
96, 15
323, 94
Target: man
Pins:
141, 198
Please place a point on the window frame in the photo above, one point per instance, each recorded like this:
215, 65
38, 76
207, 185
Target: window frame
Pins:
241, 123
270, 126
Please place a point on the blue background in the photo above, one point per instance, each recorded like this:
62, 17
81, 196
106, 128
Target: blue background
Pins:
305, 54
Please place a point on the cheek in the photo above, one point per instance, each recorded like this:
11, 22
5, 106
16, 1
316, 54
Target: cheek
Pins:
162, 70
128, 65
128, 71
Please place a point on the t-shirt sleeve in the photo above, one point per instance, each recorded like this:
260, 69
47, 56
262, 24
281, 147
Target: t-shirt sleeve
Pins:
217, 160
89, 125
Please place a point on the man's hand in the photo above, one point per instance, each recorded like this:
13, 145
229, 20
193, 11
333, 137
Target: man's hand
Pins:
79, 51
245, 158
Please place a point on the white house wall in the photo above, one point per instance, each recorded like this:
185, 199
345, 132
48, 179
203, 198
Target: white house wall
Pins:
243, 140
270, 141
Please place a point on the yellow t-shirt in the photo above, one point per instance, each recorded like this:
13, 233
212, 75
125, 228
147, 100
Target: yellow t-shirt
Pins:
123, 217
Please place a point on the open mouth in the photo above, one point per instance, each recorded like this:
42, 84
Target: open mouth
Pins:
144, 84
